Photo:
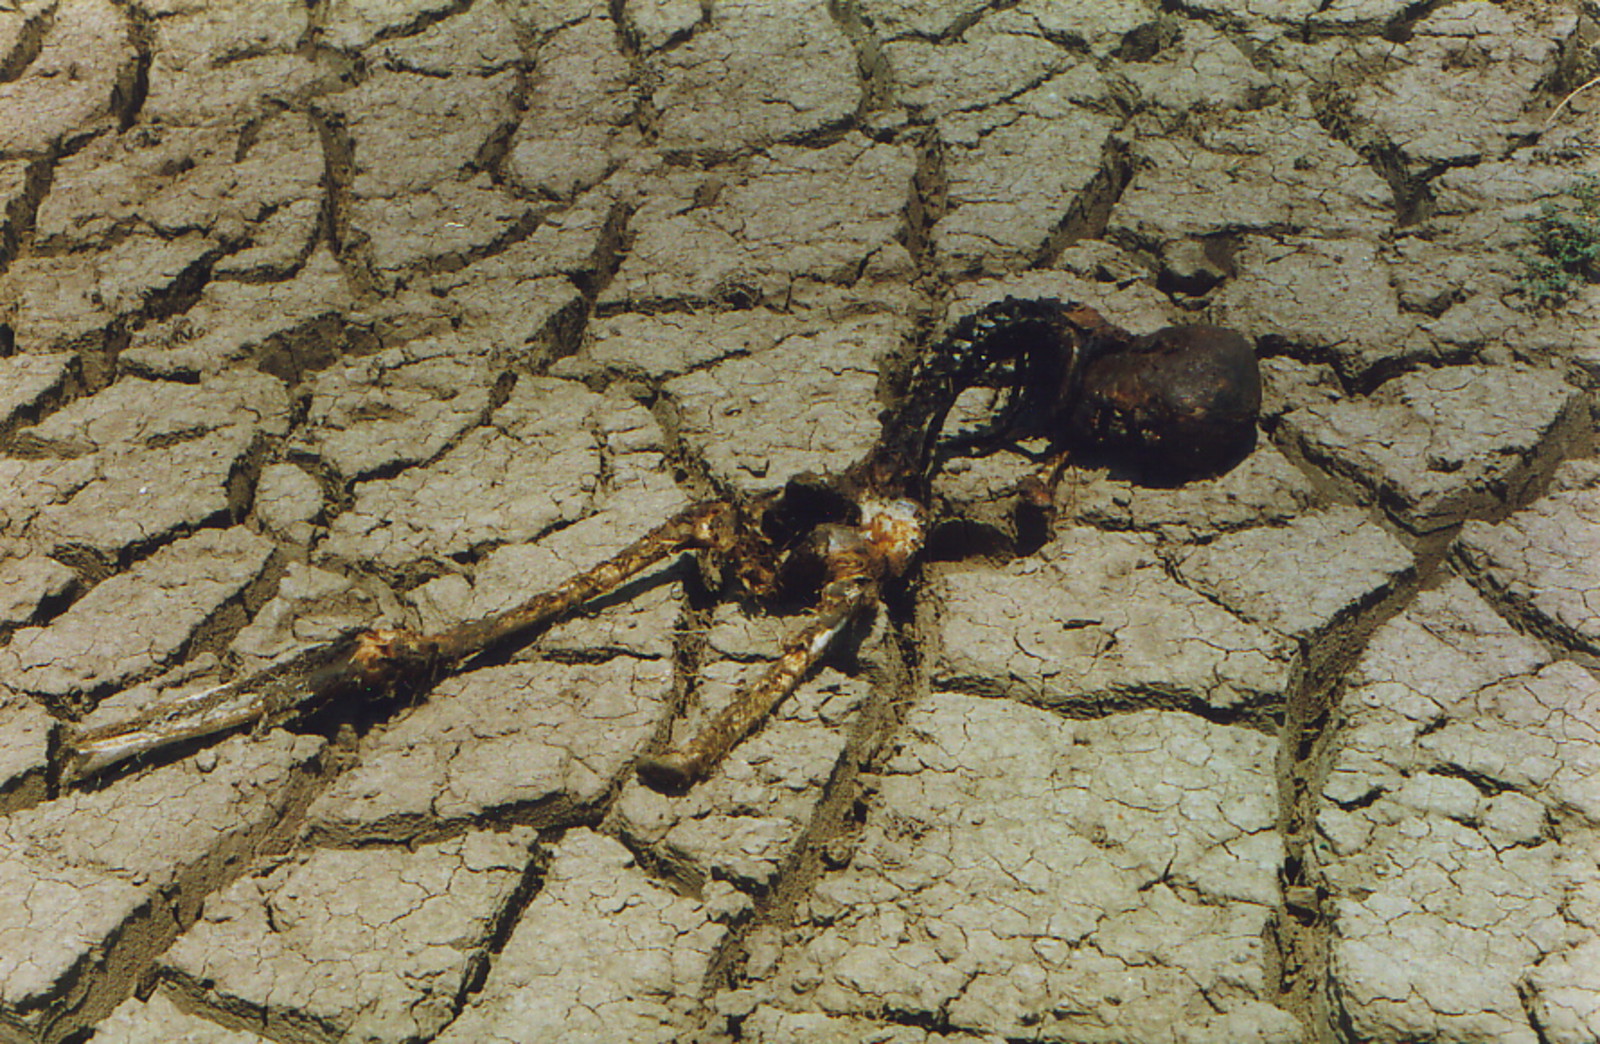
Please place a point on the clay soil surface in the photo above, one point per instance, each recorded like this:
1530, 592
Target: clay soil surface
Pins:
325, 314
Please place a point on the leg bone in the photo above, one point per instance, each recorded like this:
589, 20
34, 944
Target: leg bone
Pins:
842, 602
376, 659
856, 559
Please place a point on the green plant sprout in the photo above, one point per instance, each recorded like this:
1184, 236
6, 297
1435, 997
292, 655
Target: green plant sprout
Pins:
1563, 245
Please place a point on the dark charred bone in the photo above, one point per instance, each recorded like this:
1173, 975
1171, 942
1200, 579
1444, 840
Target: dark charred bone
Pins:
1180, 402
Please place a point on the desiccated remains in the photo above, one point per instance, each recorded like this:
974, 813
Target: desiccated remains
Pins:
1176, 403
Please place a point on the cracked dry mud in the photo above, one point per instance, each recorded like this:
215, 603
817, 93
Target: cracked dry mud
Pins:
315, 315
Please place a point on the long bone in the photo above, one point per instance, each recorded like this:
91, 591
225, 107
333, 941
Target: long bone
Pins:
376, 659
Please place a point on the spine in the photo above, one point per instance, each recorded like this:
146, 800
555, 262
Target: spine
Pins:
1044, 340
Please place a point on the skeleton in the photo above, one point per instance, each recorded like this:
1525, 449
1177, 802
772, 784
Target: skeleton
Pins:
1177, 403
